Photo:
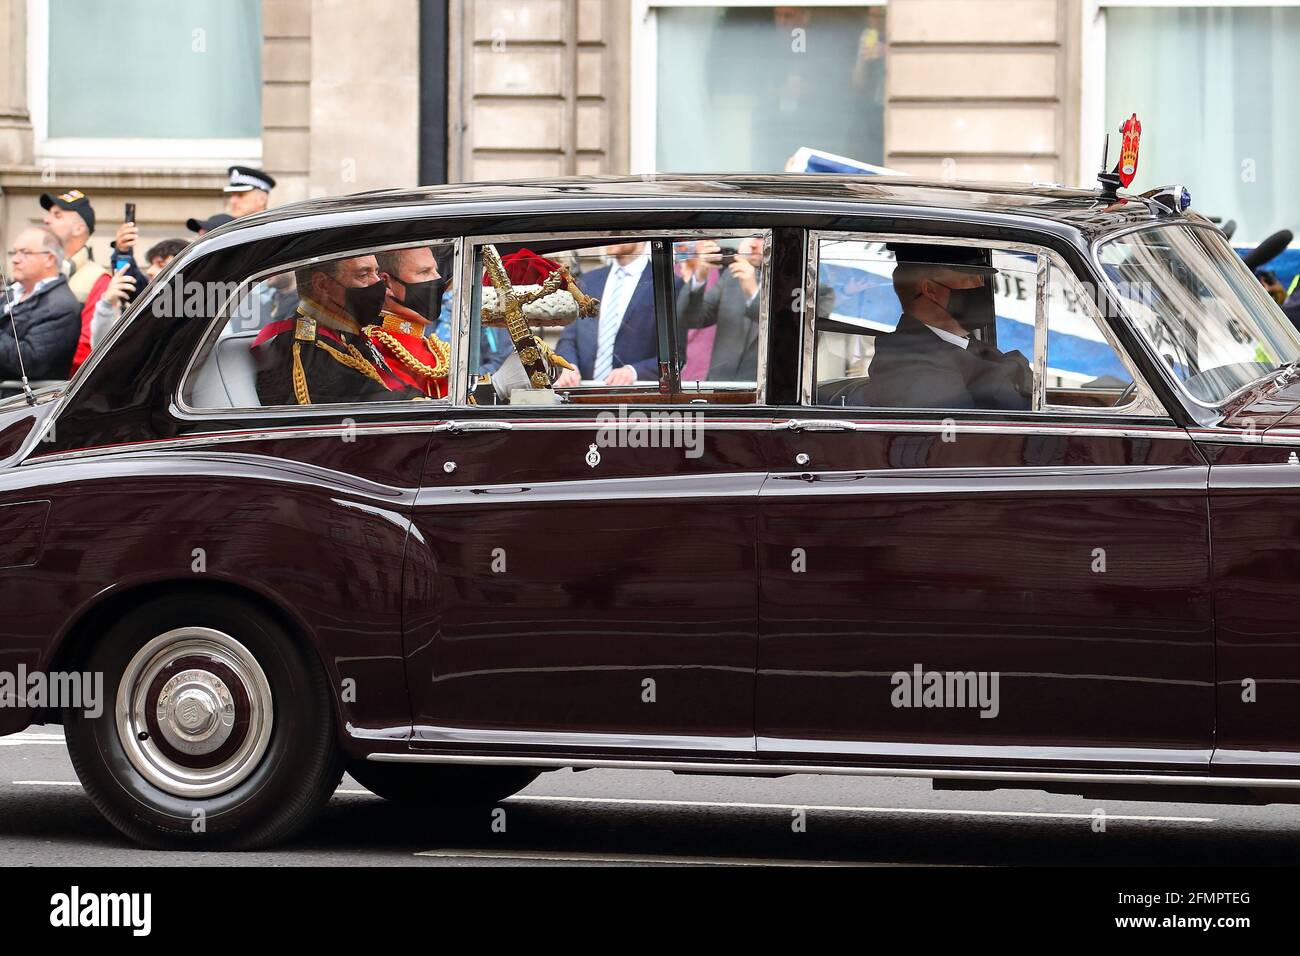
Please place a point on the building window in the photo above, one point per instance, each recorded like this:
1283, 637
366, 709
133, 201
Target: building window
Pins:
1212, 85
740, 88
120, 81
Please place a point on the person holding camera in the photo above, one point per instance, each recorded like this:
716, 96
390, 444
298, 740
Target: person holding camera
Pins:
731, 304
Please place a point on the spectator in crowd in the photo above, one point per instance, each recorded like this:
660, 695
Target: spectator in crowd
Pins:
622, 345
120, 290
161, 253
40, 309
249, 191
70, 216
731, 304
207, 225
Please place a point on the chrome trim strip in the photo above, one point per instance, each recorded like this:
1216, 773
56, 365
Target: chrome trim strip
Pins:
1275, 476
744, 766
1070, 429
1039, 398
1239, 437
873, 748
188, 443
543, 738
978, 481
808, 319
743, 484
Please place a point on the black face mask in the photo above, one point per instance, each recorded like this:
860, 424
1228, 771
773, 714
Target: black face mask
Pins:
424, 298
972, 308
364, 304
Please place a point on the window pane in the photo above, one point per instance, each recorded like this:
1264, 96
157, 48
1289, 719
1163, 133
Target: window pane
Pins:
1217, 82
1083, 368
134, 69
358, 328
741, 88
912, 325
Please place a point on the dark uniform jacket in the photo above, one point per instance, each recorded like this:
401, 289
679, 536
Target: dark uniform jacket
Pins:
48, 323
324, 370
914, 368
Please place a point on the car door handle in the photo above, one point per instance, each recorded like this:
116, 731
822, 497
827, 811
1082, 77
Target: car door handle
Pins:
472, 425
819, 425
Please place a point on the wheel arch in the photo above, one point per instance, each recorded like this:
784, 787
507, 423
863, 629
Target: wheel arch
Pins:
110, 606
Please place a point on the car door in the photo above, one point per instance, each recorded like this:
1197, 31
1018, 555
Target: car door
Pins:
1011, 586
583, 574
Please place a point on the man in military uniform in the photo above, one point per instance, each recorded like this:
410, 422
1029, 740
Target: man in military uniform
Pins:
322, 356
405, 333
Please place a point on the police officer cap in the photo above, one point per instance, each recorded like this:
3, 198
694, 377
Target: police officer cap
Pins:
244, 178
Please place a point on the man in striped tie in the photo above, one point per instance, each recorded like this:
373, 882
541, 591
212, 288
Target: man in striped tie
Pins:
622, 345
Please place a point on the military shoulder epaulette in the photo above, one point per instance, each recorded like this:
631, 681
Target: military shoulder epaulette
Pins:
305, 329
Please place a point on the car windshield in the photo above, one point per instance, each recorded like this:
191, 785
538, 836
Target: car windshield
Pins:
1199, 308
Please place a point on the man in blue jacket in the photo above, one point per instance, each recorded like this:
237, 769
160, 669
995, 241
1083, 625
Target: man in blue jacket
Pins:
622, 346
40, 308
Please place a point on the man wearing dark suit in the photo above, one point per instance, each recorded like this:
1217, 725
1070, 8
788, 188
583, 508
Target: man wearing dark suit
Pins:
622, 345
930, 360
731, 304
40, 310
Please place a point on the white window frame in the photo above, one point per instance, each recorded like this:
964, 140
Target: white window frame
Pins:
644, 48
114, 152
1093, 122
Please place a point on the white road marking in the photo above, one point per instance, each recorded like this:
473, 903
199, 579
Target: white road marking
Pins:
47, 783
925, 811
32, 737
549, 857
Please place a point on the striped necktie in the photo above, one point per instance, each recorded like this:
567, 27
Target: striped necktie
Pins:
611, 318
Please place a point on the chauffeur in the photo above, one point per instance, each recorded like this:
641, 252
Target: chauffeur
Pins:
933, 359
322, 356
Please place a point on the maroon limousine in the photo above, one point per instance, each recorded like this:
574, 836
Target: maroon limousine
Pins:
446, 488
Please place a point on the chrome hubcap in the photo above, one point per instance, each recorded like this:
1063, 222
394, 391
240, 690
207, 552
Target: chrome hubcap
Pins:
194, 712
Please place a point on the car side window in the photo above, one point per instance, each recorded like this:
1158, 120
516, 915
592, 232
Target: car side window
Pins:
953, 327
1084, 368
369, 326
663, 319
924, 326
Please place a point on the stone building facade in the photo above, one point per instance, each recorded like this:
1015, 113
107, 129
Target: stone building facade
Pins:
973, 89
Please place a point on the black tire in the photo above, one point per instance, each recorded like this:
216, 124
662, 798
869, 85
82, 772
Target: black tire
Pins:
292, 764
422, 784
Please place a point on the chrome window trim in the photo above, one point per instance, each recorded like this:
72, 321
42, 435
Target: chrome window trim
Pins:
474, 242
1144, 402
209, 338
1094, 250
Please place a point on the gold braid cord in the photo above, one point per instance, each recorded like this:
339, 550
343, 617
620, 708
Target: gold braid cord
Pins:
532, 351
403, 354
300, 392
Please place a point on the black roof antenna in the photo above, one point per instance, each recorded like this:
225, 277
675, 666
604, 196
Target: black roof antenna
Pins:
1108, 179
9, 313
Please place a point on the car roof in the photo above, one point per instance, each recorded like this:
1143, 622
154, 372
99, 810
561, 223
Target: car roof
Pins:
1083, 209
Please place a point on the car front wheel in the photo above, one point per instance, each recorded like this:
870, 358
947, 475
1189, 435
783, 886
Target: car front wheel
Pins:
217, 730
